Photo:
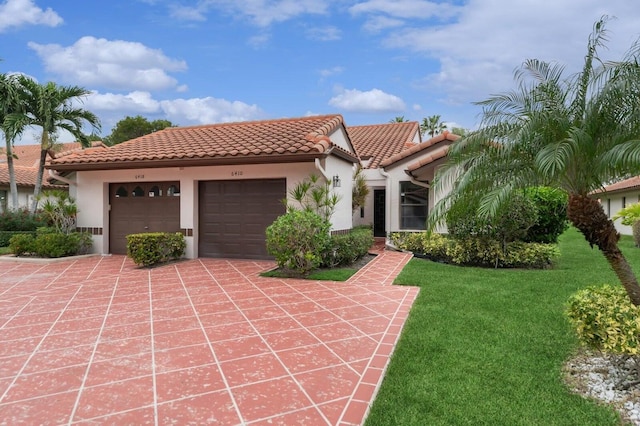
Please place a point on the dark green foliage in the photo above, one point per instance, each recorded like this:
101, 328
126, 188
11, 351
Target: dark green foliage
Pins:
5, 236
298, 239
551, 205
344, 249
49, 243
152, 248
476, 251
22, 244
510, 223
20, 220
133, 127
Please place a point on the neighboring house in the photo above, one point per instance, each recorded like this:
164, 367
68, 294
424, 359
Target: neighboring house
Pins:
27, 158
399, 169
219, 185
617, 196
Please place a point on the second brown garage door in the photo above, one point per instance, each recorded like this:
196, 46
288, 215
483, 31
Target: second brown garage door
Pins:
233, 216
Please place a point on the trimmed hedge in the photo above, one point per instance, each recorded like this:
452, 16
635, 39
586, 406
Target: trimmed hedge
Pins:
344, 249
298, 239
5, 236
152, 248
20, 220
50, 244
605, 319
482, 252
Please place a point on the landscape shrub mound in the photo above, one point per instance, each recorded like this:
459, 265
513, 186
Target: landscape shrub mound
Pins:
18, 221
605, 319
152, 248
47, 242
298, 239
344, 249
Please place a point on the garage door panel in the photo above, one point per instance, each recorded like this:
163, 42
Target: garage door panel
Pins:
233, 216
154, 209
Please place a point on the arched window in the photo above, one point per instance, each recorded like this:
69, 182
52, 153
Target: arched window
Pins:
173, 191
137, 192
155, 191
121, 192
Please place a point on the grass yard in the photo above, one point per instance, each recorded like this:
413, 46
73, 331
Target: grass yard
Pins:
5, 250
486, 347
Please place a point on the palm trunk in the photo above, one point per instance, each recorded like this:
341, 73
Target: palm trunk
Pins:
13, 187
38, 187
587, 215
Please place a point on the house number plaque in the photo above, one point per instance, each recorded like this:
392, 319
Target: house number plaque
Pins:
137, 177
236, 173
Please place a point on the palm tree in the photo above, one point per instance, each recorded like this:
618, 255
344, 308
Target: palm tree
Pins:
398, 119
432, 126
50, 107
9, 104
577, 134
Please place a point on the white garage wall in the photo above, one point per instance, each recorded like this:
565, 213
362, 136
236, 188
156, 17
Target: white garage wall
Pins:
92, 191
613, 203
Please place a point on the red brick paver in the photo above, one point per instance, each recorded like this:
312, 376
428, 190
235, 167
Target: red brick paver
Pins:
206, 341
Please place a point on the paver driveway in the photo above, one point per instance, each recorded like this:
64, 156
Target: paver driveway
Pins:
205, 341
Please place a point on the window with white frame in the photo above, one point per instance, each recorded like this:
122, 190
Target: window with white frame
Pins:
414, 206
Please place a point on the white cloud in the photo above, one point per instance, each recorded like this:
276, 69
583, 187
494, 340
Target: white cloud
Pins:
378, 23
407, 9
209, 110
15, 13
324, 33
372, 101
186, 13
266, 12
131, 103
113, 64
478, 51
328, 72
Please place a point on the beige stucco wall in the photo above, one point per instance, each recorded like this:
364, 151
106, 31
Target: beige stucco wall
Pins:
92, 191
613, 203
25, 195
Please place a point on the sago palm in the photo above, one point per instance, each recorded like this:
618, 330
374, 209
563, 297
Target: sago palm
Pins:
577, 133
51, 108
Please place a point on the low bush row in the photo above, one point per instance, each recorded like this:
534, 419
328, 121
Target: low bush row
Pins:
20, 220
151, 248
344, 249
46, 242
5, 236
471, 251
300, 241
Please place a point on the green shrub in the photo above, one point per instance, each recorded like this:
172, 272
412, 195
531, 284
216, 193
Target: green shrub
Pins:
510, 223
20, 220
55, 245
151, 248
298, 240
551, 222
629, 214
605, 319
5, 236
344, 249
485, 252
22, 244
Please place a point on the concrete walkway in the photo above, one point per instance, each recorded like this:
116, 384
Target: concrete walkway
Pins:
97, 340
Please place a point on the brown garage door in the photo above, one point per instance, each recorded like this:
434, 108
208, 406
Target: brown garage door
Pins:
142, 207
234, 215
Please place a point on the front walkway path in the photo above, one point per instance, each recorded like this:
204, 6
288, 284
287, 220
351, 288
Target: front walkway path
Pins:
205, 341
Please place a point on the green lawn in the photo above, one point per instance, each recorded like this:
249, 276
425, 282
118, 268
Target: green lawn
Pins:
337, 274
5, 250
486, 347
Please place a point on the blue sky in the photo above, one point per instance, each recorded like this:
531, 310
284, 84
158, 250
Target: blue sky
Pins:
211, 61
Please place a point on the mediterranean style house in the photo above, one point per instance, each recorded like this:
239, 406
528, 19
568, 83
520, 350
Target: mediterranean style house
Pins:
26, 161
617, 196
221, 185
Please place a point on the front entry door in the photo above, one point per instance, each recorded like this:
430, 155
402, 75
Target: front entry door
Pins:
379, 202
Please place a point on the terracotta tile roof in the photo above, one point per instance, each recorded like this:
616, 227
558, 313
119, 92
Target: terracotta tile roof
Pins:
25, 176
381, 141
444, 137
227, 143
624, 185
29, 155
434, 155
